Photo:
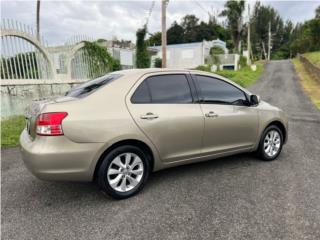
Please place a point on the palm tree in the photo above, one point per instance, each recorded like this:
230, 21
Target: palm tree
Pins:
233, 11
38, 20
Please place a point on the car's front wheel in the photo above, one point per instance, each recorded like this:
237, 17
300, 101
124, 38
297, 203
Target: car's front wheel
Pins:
123, 172
270, 144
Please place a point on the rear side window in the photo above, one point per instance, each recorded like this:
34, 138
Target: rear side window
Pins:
142, 94
89, 87
218, 91
172, 88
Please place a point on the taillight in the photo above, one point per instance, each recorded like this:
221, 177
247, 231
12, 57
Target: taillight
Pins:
49, 124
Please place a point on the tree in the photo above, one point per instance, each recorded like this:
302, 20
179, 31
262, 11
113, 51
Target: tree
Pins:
191, 31
262, 16
233, 11
189, 25
307, 37
318, 12
175, 34
38, 20
155, 39
142, 55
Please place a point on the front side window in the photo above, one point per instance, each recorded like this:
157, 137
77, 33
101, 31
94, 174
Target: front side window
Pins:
171, 88
218, 91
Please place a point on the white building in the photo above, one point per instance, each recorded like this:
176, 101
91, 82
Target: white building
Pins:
188, 55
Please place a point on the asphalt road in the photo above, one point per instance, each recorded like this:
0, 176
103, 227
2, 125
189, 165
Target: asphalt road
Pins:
238, 197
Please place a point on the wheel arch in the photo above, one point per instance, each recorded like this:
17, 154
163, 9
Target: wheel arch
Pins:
281, 126
133, 142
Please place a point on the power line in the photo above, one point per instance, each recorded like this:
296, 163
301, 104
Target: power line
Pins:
150, 12
211, 15
200, 6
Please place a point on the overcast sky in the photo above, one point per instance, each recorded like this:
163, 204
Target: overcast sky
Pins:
60, 20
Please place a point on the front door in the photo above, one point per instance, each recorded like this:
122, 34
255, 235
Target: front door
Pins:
163, 107
230, 124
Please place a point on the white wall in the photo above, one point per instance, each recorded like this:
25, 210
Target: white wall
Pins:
183, 57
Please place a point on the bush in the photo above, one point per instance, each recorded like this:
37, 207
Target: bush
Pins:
243, 61
205, 68
158, 62
142, 55
216, 50
116, 65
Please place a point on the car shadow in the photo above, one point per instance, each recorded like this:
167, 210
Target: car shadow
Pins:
57, 193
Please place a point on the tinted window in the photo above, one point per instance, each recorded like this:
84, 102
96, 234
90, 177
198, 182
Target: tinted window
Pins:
169, 89
86, 88
163, 89
141, 95
218, 91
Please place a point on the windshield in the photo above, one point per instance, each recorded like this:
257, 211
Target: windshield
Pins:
88, 87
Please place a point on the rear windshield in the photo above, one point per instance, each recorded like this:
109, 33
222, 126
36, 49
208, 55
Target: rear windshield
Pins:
89, 87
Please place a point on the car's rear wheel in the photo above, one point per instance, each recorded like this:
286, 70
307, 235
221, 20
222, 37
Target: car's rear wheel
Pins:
270, 144
123, 172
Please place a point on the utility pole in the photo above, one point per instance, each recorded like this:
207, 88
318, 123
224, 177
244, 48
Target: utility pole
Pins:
249, 41
38, 20
269, 41
164, 32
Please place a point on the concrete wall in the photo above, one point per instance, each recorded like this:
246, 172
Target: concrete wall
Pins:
14, 99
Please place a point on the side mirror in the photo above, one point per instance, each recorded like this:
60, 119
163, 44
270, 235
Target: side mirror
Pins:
254, 99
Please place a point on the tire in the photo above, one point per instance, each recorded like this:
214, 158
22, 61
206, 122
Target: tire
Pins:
118, 174
270, 146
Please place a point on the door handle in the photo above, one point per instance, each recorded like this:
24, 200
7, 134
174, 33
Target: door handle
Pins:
149, 116
211, 114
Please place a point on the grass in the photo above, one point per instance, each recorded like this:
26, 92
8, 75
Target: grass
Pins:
244, 77
313, 57
309, 84
10, 131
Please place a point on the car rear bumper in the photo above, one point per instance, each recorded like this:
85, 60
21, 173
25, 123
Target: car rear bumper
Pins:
58, 158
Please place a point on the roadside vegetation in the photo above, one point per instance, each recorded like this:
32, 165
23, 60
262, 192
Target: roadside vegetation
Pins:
288, 38
244, 77
10, 131
313, 57
309, 84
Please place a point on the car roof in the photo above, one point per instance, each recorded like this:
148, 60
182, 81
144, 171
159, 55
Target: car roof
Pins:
142, 71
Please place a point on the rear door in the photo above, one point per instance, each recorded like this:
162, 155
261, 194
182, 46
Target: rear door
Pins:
165, 109
230, 124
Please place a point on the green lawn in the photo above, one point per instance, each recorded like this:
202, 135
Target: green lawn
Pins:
313, 57
10, 131
244, 77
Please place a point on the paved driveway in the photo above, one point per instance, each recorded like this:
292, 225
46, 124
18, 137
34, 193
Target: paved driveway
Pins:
238, 197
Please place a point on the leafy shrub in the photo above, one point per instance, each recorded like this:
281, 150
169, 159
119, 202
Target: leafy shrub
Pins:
158, 62
205, 68
243, 61
216, 50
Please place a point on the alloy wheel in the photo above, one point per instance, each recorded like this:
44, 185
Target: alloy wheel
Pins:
125, 172
272, 143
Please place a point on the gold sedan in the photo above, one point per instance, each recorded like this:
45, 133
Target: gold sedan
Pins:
118, 128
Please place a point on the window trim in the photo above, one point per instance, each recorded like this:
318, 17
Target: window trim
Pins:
194, 97
200, 96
